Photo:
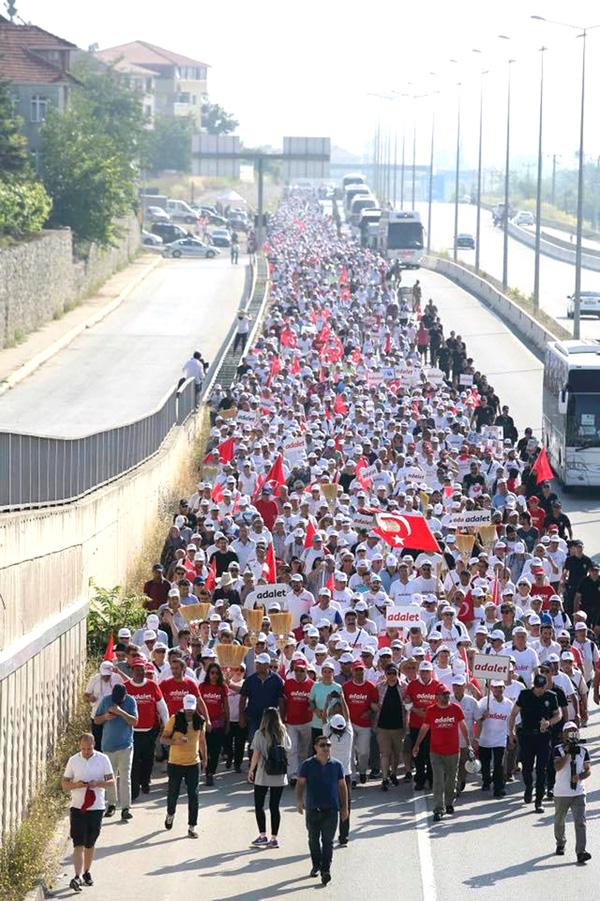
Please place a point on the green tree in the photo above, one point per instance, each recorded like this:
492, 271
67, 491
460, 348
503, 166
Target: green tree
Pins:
169, 144
24, 207
14, 158
216, 120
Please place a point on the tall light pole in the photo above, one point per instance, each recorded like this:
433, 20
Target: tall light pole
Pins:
580, 185
538, 199
504, 37
433, 95
479, 170
414, 153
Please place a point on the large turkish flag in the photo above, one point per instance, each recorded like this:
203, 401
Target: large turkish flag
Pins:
405, 531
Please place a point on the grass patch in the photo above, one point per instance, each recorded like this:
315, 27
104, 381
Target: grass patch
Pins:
29, 854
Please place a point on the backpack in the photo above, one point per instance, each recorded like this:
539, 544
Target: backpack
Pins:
276, 763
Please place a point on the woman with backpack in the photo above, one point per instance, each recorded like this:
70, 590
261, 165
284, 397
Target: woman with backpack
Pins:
268, 769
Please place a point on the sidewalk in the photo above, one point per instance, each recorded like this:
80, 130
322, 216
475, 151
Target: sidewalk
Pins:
18, 362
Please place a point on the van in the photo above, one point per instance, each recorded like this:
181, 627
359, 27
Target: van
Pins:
180, 211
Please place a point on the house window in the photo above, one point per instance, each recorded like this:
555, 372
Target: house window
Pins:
39, 108
183, 97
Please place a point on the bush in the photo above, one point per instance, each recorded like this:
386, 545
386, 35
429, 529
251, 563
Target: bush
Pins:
24, 208
111, 610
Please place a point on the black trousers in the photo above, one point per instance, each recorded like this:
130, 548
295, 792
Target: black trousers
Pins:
234, 743
260, 796
535, 752
240, 339
423, 769
191, 775
345, 824
495, 756
214, 743
143, 760
321, 824
97, 733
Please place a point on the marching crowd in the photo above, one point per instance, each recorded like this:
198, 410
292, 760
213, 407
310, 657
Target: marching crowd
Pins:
369, 527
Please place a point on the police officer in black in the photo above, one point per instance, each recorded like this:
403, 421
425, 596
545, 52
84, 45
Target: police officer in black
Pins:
539, 711
547, 670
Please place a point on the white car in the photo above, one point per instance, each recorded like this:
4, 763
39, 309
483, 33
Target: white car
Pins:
150, 239
589, 304
190, 247
523, 217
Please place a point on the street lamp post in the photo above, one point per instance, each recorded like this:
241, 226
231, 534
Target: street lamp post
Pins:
479, 170
395, 163
431, 173
506, 175
538, 199
457, 180
402, 165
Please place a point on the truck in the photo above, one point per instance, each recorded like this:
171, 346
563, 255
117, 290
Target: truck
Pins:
400, 237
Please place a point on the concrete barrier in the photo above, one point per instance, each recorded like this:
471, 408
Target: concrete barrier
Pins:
556, 251
528, 329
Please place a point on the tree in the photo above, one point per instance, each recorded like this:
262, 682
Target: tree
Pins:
169, 144
216, 120
14, 158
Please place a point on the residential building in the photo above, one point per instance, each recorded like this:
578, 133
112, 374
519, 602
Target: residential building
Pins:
137, 78
180, 84
37, 64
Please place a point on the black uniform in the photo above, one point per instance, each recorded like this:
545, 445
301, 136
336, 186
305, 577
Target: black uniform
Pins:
535, 745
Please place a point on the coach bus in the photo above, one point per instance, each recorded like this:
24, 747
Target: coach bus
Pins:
401, 237
571, 411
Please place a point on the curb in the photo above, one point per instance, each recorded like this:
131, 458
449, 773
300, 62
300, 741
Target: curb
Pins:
44, 355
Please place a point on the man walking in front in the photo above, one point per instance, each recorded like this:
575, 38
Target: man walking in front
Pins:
326, 796
86, 776
118, 716
443, 720
572, 765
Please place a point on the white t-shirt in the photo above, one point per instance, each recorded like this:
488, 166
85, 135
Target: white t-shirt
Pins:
525, 663
469, 707
101, 689
493, 730
562, 787
88, 769
297, 604
341, 746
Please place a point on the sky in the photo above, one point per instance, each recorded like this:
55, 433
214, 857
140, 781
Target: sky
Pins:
310, 68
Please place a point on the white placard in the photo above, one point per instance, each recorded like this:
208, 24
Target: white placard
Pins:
367, 472
435, 376
465, 379
493, 431
402, 617
374, 379
469, 518
294, 450
265, 594
247, 417
363, 520
491, 666
413, 474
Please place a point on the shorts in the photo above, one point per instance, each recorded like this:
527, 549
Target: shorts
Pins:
391, 741
85, 827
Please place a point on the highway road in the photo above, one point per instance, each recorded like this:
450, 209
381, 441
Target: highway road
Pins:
557, 279
395, 850
120, 369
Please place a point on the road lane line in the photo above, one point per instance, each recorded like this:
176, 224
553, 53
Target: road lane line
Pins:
424, 847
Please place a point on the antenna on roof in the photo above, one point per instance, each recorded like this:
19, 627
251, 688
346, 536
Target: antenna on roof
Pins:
11, 8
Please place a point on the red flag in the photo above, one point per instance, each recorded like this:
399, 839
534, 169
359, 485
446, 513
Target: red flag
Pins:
345, 294
275, 477
339, 406
330, 583
388, 344
466, 613
288, 338
211, 579
226, 451
355, 356
274, 370
343, 277
362, 463
110, 649
310, 531
217, 493
270, 563
541, 468
405, 531
295, 366
496, 592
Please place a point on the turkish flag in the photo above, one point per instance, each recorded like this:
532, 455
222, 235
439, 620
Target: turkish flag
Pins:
275, 477
211, 579
330, 583
217, 493
270, 563
226, 451
467, 613
295, 366
388, 344
288, 338
110, 648
339, 406
274, 370
343, 277
362, 463
355, 356
405, 531
310, 531
541, 468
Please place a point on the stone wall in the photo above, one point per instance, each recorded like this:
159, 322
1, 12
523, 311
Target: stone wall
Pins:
41, 279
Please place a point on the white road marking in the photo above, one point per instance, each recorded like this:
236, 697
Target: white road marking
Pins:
424, 846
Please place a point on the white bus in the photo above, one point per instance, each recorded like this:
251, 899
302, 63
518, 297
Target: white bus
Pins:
571, 411
401, 237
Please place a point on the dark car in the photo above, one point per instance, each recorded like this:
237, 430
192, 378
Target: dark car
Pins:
168, 231
220, 237
465, 240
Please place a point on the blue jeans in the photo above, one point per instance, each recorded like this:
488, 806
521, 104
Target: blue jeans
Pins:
321, 824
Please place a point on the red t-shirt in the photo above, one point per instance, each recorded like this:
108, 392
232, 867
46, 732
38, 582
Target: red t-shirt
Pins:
147, 695
542, 591
359, 699
443, 724
214, 698
296, 696
174, 693
422, 696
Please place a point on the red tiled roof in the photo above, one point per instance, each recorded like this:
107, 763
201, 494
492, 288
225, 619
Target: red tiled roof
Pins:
144, 54
19, 62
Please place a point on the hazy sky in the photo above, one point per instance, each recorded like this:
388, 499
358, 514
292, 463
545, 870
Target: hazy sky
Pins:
306, 68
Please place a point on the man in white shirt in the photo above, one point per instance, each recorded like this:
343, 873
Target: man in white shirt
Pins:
526, 659
100, 686
493, 716
298, 600
569, 790
86, 776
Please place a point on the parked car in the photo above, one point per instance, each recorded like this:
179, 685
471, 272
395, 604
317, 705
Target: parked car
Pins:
214, 219
465, 240
589, 304
150, 239
168, 231
524, 217
220, 237
190, 247
157, 214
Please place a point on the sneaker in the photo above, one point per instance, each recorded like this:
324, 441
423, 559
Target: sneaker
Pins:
343, 843
293, 783
437, 816
228, 762
539, 807
110, 811
419, 786
273, 843
87, 878
550, 795
486, 787
461, 787
325, 878
145, 789
363, 778
210, 779
500, 794
375, 772
583, 857
385, 786
192, 832
528, 796
126, 814
314, 872
260, 842
449, 808
408, 777
560, 850
169, 820
75, 884
394, 780
354, 783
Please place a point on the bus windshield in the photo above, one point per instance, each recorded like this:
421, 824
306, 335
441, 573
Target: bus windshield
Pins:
405, 235
583, 421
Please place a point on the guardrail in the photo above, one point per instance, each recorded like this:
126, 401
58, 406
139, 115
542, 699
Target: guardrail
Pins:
37, 471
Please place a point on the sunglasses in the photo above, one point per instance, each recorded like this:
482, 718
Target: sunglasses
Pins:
324, 744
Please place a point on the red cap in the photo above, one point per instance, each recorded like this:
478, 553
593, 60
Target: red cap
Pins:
358, 664
553, 528
300, 664
139, 661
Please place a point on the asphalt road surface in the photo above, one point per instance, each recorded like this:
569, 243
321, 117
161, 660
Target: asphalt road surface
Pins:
121, 369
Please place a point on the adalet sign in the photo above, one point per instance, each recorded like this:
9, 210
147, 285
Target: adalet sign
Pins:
266, 594
490, 666
402, 617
